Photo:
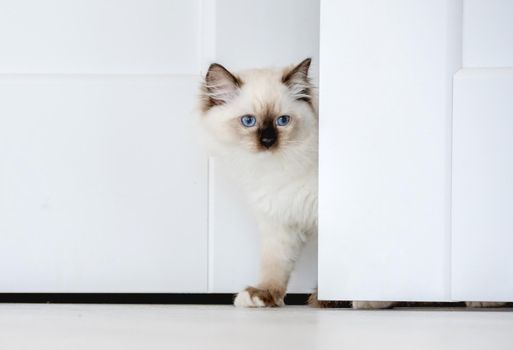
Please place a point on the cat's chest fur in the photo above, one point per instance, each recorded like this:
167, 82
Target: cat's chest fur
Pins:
286, 195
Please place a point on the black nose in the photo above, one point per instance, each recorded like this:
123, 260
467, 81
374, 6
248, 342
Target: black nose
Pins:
267, 142
267, 136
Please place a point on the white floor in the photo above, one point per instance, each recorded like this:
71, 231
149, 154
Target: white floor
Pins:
75, 327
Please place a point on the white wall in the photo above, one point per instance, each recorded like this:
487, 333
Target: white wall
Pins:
94, 36
103, 187
487, 33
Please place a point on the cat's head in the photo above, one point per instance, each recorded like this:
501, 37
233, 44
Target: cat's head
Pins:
261, 111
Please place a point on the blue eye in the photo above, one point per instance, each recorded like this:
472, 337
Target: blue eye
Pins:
282, 120
248, 121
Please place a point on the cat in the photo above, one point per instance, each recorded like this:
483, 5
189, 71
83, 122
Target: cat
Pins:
264, 123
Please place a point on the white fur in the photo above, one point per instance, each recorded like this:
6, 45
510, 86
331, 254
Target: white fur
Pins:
243, 299
281, 185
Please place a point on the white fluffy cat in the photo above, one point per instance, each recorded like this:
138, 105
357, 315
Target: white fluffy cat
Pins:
264, 123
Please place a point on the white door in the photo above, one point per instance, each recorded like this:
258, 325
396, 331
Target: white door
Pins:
412, 206
385, 148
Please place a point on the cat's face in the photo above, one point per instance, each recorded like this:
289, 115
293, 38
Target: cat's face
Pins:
264, 111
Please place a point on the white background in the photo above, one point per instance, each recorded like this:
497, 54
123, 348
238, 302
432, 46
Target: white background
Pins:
103, 187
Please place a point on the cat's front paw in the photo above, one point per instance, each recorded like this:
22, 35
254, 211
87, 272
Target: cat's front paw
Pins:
483, 304
368, 305
256, 297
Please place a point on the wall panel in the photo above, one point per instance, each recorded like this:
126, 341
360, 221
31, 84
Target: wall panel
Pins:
483, 185
488, 33
96, 36
102, 185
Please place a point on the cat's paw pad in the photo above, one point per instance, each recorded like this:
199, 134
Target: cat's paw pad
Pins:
368, 305
481, 304
255, 297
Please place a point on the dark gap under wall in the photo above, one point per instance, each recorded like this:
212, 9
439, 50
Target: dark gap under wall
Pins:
177, 299
132, 298
170, 299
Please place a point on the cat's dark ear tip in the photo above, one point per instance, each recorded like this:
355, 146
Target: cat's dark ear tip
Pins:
218, 70
306, 62
215, 67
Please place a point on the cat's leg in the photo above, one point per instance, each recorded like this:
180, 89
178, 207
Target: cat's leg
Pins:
483, 304
366, 305
280, 249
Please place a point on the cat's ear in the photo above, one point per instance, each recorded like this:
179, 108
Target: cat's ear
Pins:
298, 81
220, 86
